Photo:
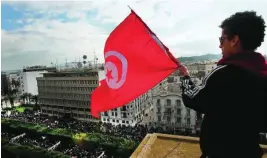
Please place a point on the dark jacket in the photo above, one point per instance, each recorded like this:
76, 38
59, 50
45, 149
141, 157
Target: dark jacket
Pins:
233, 98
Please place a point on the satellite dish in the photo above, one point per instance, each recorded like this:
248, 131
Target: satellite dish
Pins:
84, 57
79, 65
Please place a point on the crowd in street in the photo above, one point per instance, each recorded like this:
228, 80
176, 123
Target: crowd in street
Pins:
136, 133
80, 152
40, 141
44, 142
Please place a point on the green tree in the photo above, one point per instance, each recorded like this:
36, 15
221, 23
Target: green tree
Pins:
35, 98
11, 98
23, 97
30, 97
5, 99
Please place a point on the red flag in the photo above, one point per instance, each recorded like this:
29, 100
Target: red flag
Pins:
135, 61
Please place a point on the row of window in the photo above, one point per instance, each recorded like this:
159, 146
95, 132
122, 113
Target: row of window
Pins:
64, 82
168, 102
63, 102
114, 120
65, 89
178, 120
84, 97
66, 108
169, 110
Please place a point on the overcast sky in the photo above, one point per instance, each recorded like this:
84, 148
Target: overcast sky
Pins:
43, 32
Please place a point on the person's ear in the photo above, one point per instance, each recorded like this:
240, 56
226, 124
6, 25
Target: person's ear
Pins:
234, 41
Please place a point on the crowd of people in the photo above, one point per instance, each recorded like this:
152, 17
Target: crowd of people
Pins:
45, 142
7, 136
80, 152
136, 133
42, 141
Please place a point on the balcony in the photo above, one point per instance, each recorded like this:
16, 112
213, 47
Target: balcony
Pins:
177, 106
163, 145
158, 112
167, 105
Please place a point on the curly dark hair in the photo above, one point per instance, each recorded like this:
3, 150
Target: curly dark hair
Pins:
247, 26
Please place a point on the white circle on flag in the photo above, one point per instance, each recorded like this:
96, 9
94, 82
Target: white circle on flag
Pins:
114, 82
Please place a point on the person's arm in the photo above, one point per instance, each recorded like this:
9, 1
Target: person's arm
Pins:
200, 97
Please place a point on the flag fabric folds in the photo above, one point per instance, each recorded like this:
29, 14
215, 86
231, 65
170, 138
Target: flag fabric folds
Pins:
135, 61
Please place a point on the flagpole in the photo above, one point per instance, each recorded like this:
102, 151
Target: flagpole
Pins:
129, 7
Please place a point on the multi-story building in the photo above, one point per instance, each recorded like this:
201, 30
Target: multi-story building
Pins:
169, 110
130, 114
201, 69
15, 76
68, 92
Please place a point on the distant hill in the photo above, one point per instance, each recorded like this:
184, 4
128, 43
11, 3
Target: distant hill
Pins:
200, 58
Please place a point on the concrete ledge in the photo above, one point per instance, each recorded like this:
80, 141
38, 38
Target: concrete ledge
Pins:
159, 145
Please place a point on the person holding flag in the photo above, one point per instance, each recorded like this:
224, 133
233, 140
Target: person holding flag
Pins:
233, 96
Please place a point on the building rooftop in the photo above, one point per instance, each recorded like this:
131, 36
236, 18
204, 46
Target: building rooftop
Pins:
169, 146
39, 68
171, 89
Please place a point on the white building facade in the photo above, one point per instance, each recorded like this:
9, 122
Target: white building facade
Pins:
130, 114
28, 82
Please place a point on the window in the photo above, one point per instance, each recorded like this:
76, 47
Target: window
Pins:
169, 119
178, 103
105, 113
179, 120
179, 111
168, 102
113, 120
159, 118
188, 112
188, 121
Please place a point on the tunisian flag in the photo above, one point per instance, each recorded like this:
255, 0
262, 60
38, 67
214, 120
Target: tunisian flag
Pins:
135, 61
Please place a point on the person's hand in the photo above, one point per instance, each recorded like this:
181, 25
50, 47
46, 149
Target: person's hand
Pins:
184, 71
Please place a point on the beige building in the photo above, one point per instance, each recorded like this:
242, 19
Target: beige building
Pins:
201, 69
67, 93
169, 110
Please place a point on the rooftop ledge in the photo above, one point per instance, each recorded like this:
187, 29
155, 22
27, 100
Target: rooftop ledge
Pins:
158, 145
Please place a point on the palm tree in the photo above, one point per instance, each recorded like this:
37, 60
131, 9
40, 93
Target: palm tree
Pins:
35, 98
14, 92
29, 97
6, 99
11, 98
23, 97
